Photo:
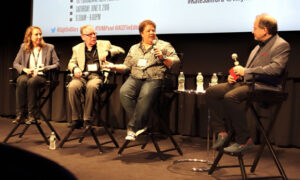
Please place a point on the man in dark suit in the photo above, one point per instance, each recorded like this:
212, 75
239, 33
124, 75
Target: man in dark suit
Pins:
269, 57
34, 58
85, 64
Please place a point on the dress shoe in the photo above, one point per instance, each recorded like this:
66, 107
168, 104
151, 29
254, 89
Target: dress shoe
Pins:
88, 123
19, 119
237, 148
31, 120
220, 141
76, 124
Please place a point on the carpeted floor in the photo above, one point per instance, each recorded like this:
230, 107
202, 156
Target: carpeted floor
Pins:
86, 163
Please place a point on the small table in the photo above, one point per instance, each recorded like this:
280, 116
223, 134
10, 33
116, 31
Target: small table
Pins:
208, 163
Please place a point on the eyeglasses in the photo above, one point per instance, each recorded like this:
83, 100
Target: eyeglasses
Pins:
91, 34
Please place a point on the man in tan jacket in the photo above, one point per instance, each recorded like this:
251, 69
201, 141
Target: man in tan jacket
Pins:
85, 64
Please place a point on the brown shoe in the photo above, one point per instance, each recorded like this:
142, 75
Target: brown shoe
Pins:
19, 119
31, 119
76, 124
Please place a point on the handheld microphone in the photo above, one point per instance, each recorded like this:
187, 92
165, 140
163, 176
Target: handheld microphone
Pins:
85, 74
105, 72
154, 41
234, 57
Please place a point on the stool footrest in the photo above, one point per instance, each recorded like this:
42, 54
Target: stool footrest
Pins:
150, 135
233, 166
16, 134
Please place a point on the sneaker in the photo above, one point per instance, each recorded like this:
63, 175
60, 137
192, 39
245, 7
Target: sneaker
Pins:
237, 148
141, 131
19, 119
130, 136
222, 138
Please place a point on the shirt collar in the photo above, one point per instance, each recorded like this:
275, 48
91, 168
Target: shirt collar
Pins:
263, 43
93, 48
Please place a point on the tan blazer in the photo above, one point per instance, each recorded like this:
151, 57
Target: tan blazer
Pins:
78, 57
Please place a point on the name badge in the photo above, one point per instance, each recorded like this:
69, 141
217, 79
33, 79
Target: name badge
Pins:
92, 67
142, 63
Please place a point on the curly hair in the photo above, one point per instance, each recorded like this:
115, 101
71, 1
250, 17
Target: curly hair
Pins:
27, 39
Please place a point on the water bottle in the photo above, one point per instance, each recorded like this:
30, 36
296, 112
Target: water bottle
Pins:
199, 82
52, 140
181, 81
214, 80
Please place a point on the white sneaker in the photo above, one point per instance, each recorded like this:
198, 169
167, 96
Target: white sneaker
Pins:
141, 131
130, 135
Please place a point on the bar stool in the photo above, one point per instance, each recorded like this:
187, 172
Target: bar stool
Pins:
269, 98
152, 135
168, 86
106, 91
44, 95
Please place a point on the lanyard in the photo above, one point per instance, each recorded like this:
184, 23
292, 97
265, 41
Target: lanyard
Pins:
36, 58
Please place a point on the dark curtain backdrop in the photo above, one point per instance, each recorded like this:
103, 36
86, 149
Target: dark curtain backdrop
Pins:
187, 115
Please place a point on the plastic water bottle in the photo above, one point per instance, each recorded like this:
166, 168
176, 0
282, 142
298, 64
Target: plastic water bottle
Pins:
52, 140
214, 79
181, 80
199, 82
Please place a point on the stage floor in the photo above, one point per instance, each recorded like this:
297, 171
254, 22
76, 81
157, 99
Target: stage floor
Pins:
86, 163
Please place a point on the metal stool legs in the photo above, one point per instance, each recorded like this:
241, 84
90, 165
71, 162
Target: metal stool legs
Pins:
151, 136
20, 134
90, 129
267, 141
265, 133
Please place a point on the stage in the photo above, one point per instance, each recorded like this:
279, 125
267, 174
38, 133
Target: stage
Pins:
86, 163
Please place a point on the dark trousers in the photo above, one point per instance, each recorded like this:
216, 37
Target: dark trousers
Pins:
227, 104
137, 98
83, 96
26, 93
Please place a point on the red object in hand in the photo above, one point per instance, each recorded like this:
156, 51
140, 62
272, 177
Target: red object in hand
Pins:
231, 72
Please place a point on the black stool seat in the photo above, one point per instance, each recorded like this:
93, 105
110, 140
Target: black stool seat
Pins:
269, 97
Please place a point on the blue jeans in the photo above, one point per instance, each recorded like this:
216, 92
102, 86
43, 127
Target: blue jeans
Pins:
137, 97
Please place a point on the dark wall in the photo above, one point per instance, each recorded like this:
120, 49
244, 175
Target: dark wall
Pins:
206, 53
